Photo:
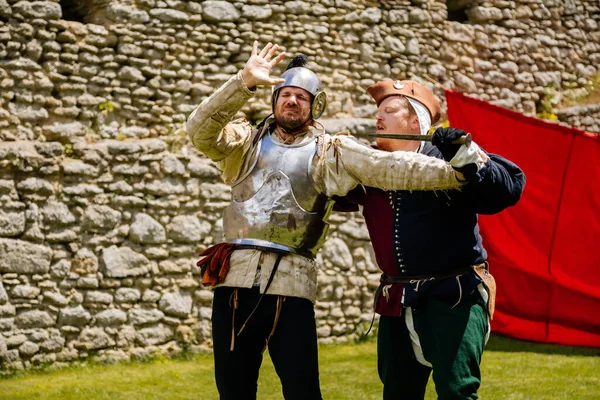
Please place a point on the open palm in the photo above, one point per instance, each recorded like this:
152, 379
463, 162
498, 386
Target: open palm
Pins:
258, 67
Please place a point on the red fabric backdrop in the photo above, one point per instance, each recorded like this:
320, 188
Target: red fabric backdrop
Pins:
545, 251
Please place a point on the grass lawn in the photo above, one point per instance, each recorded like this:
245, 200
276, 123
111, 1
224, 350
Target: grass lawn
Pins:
512, 369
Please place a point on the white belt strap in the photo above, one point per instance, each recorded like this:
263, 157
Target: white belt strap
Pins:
485, 296
414, 338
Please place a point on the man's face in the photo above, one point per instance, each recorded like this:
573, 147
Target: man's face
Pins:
393, 116
292, 108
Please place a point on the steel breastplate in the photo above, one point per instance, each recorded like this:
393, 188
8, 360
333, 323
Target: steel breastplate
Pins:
276, 203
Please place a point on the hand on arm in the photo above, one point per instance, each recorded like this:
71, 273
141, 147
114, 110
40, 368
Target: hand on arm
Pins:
258, 67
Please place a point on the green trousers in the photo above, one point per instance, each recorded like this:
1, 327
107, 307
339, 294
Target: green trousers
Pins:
451, 338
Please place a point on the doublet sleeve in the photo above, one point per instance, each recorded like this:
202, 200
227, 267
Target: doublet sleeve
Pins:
211, 131
345, 162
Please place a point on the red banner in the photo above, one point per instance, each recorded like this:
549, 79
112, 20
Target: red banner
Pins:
545, 251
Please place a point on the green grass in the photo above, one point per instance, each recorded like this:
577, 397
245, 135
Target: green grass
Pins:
512, 369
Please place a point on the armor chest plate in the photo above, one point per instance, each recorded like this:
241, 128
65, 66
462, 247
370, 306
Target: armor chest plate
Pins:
276, 202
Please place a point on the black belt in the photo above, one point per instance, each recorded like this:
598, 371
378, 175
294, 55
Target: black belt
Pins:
386, 279
415, 278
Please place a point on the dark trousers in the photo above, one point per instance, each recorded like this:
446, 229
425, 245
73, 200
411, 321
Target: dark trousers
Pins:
452, 340
292, 346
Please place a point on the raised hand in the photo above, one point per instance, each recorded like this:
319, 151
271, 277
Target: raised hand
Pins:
258, 67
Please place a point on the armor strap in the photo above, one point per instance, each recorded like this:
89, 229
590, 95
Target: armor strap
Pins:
275, 266
278, 308
261, 129
280, 253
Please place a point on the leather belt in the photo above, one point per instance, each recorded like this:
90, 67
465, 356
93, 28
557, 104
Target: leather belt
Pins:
416, 278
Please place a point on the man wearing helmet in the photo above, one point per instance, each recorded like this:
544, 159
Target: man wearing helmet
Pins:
431, 299
283, 174
302, 84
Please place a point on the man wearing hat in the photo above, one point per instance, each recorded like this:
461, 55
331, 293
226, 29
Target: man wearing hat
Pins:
436, 296
282, 174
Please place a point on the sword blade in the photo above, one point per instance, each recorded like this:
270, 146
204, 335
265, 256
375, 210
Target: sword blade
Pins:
397, 136
466, 139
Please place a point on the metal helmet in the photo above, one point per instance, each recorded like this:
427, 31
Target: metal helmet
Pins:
303, 78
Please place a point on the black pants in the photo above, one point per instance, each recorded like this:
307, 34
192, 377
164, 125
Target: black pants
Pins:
292, 347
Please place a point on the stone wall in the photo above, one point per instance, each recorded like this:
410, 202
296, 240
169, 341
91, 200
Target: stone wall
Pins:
103, 204
98, 250
146, 63
586, 117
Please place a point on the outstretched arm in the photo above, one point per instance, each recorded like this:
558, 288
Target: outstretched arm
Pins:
346, 163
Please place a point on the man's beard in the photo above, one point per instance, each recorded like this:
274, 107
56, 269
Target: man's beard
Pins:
291, 124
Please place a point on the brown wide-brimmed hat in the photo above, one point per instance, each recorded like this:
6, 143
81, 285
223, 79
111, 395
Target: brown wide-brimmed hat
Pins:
384, 89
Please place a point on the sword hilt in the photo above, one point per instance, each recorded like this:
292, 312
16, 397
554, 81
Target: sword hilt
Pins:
465, 139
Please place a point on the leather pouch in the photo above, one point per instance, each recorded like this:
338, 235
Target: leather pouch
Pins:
490, 286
